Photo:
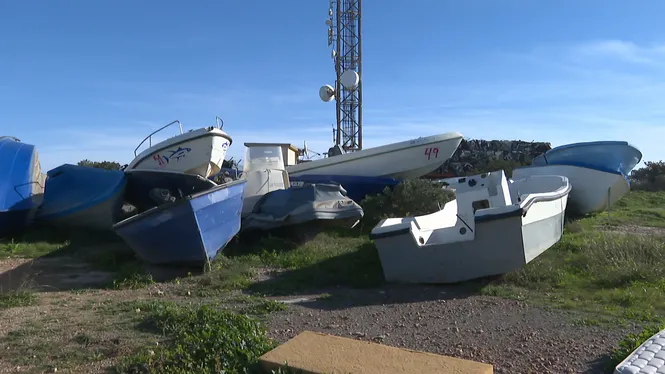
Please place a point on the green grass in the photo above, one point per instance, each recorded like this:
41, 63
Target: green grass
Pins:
611, 274
15, 299
640, 208
199, 340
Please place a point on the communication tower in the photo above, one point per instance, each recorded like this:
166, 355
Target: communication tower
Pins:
344, 36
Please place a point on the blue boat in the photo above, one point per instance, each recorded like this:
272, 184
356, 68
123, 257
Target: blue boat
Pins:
147, 189
191, 230
21, 184
608, 156
82, 197
598, 172
356, 187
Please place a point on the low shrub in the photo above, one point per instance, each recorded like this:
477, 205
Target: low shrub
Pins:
199, 340
409, 198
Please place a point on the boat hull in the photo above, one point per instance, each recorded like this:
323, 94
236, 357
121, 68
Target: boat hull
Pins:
82, 197
593, 190
199, 152
428, 249
405, 160
189, 231
357, 188
21, 184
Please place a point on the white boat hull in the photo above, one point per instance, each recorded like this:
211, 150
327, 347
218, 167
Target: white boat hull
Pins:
430, 249
405, 160
200, 152
593, 190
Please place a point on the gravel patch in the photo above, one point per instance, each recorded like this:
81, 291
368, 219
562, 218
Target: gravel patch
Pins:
511, 335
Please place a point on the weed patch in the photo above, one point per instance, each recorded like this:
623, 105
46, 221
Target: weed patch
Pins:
630, 343
613, 273
17, 299
199, 340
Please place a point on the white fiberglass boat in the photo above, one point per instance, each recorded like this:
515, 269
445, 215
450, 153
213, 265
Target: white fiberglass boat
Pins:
598, 172
494, 226
200, 152
404, 160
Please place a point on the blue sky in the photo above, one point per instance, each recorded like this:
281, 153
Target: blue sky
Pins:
90, 79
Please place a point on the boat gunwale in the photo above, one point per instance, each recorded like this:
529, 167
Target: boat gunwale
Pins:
374, 151
209, 132
183, 200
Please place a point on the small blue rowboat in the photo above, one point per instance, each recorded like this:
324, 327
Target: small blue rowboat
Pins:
191, 230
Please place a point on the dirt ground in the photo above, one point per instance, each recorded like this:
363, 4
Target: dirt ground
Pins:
511, 335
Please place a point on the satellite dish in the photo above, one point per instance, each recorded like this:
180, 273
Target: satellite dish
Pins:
349, 79
333, 54
329, 22
327, 93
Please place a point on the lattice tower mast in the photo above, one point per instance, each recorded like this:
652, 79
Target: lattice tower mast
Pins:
344, 35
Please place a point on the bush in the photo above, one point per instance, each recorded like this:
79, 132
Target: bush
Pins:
651, 177
409, 198
200, 340
107, 165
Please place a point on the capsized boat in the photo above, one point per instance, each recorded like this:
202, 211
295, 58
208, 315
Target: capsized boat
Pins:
494, 226
356, 187
147, 189
200, 152
294, 206
404, 160
190, 230
598, 172
21, 184
82, 197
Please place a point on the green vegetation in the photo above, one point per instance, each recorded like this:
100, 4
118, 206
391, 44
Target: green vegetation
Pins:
199, 340
15, 299
630, 343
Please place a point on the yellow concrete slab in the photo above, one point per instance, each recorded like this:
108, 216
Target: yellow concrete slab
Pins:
315, 353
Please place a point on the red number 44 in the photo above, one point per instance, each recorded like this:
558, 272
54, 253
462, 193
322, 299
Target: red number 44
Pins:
432, 153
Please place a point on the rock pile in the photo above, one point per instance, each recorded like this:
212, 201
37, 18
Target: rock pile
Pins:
476, 155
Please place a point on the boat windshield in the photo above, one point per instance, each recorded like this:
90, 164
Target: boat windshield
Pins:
261, 157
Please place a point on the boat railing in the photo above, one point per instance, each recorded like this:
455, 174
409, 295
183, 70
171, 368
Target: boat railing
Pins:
220, 122
25, 184
10, 137
149, 137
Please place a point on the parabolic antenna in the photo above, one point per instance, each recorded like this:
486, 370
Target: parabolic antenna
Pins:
327, 93
349, 79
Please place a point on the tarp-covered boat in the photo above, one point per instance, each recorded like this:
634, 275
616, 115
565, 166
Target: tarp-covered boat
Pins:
82, 197
295, 206
21, 184
190, 230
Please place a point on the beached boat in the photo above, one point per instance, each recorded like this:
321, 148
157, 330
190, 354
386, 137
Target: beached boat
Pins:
188, 231
356, 187
147, 189
263, 169
21, 184
324, 203
200, 152
598, 172
404, 160
82, 197
494, 226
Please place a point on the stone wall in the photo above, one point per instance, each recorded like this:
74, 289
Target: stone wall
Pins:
476, 155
